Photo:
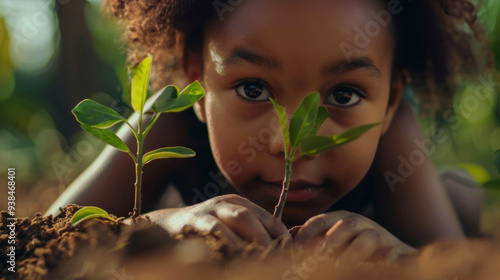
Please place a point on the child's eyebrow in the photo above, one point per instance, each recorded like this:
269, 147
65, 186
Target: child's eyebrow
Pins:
341, 66
251, 57
344, 65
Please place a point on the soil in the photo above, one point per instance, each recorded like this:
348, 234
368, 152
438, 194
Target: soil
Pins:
50, 248
44, 243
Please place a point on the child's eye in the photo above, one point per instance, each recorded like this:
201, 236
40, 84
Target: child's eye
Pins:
344, 96
253, 91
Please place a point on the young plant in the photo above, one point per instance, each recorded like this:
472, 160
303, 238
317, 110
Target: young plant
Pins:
304, 126
97, 119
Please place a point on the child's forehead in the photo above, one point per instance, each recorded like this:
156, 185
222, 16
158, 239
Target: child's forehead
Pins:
306, 20
303, 30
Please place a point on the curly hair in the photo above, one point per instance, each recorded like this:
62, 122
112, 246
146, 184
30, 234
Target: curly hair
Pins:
439, 42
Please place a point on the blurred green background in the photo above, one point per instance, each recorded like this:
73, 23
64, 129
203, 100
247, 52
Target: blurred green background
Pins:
54, 53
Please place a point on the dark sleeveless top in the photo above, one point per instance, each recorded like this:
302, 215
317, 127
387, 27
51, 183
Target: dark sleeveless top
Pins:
197, 176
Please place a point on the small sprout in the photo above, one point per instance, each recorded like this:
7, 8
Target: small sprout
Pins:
97, 119
304, 126
89, 212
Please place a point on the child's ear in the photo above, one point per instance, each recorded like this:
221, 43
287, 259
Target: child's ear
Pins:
398, 84
192, 65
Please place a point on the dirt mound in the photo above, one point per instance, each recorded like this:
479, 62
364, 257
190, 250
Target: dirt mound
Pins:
50, 248
43, 242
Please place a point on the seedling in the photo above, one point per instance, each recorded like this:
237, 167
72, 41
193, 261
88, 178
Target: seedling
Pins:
97, 119
304, 126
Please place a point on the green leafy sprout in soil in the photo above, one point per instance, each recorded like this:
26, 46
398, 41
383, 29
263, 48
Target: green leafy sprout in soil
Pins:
304, 126
97, 119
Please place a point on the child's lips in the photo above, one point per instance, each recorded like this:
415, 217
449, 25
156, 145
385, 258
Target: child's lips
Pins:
298, 191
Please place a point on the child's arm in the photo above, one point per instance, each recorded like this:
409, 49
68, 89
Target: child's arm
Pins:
109, 181
418, 210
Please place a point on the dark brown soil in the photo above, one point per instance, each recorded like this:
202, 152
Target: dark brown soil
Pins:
44, 244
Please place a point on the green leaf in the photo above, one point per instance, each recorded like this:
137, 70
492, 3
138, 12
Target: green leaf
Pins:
170, 152
168, 97
313, 145
126, 95
190, 95
302, 121
321, 116
108, 137
496, 159
89, 112
140, 84
87, 213
283, 121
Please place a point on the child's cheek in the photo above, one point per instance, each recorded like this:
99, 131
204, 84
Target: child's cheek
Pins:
230, 126
350, 163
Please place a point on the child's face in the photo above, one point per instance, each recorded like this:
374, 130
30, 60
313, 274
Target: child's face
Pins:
286, 50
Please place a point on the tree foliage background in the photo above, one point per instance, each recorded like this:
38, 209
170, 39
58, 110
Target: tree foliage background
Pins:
54, 53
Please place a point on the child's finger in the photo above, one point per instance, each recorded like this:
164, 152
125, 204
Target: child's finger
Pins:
341, 234
213, 224
274, 227
312, 228
319, 225
243, 222
361, 248
386, 255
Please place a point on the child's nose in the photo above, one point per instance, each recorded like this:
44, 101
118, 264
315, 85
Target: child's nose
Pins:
276, 145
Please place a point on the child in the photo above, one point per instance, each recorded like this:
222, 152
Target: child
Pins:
360, 56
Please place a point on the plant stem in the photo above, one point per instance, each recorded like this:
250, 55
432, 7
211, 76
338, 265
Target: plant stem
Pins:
138, 177
138, 170
278, 209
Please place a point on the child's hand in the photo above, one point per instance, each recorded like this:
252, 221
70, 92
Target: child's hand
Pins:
236, 217
351, 238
